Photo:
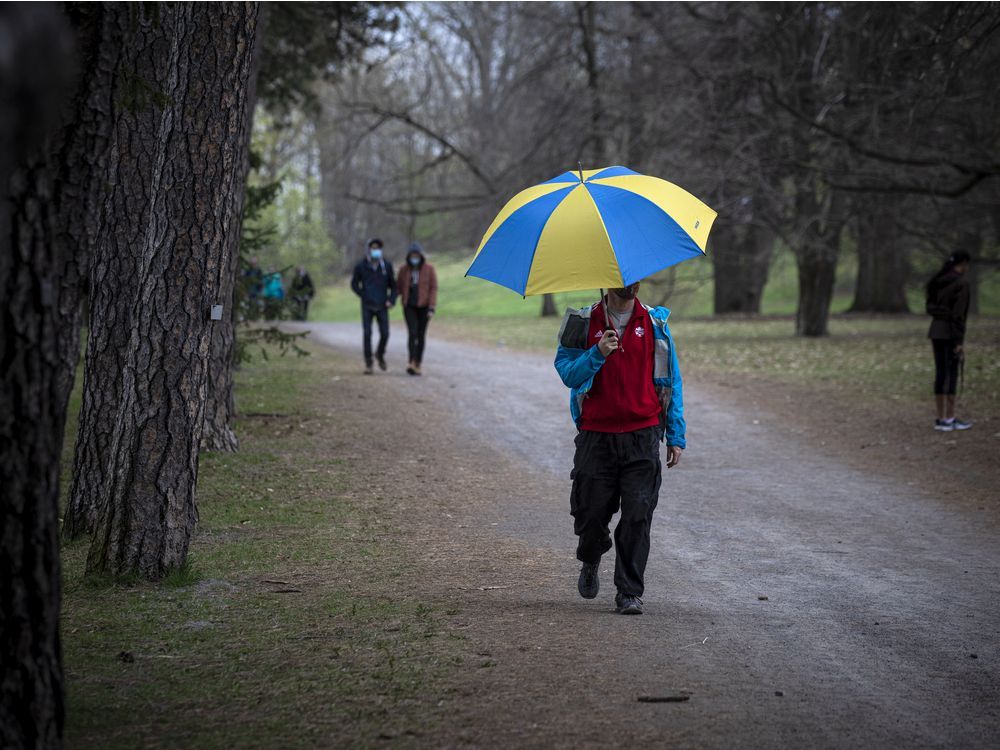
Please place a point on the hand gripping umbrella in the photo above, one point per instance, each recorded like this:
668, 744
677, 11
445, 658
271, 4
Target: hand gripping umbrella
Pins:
593, 229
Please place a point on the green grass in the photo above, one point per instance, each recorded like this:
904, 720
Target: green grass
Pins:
215, 656
691, 296
878, 357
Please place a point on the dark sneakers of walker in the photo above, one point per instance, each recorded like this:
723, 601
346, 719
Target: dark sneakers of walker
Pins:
627, 604
589, 583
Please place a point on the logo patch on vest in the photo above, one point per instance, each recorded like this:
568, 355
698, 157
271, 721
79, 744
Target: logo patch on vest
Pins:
598, 334
640, 331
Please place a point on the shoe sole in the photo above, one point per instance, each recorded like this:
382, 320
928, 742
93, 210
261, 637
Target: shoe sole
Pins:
630, 611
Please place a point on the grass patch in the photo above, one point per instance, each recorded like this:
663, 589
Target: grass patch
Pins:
460, 297
875, 357
281, 630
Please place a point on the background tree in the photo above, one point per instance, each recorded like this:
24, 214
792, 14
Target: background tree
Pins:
301, 43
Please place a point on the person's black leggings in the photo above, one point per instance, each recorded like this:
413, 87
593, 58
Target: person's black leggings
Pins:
416, 324
945, 366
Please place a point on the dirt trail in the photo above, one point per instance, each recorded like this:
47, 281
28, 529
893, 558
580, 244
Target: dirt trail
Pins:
882, 612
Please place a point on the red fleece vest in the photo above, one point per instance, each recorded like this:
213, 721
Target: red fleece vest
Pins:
623, 397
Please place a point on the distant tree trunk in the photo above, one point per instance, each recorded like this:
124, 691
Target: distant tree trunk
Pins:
882, 258
587, 20
740, 266
33, 85
816, 252
220, 406
549, 306
173, 212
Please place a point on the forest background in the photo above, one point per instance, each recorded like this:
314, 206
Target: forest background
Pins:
847, 148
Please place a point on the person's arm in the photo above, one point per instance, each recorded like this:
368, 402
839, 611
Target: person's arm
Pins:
675, 426
310, 290
433, 279
402, 286
959, 312
393, 291
357, 285
576, 366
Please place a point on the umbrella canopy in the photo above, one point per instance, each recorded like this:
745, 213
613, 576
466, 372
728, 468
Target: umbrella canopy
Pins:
590, 229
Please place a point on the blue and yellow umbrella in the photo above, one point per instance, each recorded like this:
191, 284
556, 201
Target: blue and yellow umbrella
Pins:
591, 229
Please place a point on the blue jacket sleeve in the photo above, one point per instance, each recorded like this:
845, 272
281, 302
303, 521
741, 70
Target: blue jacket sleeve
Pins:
674, 434
577, 366
356, 285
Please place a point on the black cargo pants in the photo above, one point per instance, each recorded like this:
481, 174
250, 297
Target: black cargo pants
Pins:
612, 471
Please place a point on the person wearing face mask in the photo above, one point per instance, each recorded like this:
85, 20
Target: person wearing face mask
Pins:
417, 284
374, 282
619, 361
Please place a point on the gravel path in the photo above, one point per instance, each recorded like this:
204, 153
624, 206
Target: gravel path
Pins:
793, 598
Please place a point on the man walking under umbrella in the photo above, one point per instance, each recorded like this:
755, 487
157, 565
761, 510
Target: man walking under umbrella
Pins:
374, 282
618, 359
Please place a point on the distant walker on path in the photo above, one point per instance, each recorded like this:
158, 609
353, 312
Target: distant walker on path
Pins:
948, 304
625, 397
375, 284
302, 292
417, 284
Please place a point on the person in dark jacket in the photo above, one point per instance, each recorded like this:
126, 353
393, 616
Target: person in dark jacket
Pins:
948, 305
302, 292
374, 283
417, 284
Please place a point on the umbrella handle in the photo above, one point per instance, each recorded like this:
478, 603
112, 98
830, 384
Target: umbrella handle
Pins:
607, 318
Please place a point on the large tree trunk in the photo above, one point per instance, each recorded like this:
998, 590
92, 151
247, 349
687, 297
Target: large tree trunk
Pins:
82, 176
882, 258
220, 406
32, 403
740, 262
173, 213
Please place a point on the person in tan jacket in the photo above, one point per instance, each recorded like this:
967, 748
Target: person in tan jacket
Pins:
417, 285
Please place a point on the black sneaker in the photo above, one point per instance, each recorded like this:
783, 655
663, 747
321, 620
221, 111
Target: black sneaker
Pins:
960, 424
589, 584
627, 604
381, 364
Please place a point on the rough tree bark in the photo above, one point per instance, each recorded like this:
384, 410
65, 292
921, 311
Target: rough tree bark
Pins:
220, 405
882, 257
36, 55
81, 152
740, 264
173, 209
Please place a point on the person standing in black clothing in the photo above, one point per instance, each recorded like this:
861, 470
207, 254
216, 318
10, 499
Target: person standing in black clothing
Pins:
948, 304
417, 284
374, 283
302, 291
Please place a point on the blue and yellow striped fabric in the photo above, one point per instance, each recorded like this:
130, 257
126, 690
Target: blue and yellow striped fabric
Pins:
608, 229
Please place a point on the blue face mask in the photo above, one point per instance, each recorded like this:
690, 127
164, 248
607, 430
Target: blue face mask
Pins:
414, 260
376, 253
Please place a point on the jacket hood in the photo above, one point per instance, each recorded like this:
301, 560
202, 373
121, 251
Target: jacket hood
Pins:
416, 248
